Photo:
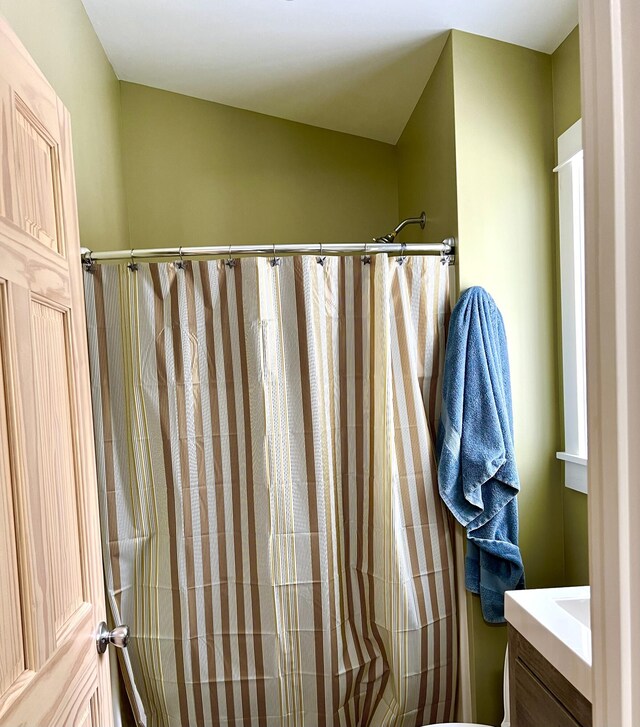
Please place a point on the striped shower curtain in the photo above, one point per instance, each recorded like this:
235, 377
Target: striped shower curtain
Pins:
271, 527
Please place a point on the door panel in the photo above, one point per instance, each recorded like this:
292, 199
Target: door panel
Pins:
33, 558
56, 458
51, 592
38, 178
12, 663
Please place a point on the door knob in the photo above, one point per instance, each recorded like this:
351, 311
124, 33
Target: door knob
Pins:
118, 637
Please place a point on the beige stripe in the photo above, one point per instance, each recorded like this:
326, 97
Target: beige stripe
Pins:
285, 406
435, 354
135, 492
135, 479
406, 470
161, 366
344, 541
251, 504
381, 446
283, 550
152, 549
443, 520
105, 397
200, 484
312, 497
423, 333
363, 635
373, 499
266, 346
434, 276
187, 485
207, 271
111, 484
235, 486
325, 290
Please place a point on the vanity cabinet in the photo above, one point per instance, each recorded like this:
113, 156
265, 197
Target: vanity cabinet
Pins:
539, 695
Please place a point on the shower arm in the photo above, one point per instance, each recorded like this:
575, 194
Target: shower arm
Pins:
422, 220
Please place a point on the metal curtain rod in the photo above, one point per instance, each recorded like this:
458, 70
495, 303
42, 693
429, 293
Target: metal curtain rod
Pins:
446, 250
380, 245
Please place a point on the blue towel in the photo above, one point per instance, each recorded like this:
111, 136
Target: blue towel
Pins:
477, 473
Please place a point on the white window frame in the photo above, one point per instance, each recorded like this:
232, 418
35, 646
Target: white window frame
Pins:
570, 172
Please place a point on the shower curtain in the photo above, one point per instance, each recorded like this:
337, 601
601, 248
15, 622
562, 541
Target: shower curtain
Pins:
272, 532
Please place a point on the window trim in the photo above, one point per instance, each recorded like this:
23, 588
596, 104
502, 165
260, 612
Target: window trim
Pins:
571, 225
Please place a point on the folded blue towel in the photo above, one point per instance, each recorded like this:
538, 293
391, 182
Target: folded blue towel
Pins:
477, 473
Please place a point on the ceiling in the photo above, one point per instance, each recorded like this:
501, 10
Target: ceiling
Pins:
357, 66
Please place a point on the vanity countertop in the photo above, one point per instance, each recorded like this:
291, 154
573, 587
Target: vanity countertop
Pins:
556, 622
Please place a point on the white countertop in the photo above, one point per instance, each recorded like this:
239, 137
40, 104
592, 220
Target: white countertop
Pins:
555, 621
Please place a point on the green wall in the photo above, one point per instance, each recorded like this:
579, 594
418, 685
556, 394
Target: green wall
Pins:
505, 158
479, 149
60, 38
202, 173
565, 64
427, 158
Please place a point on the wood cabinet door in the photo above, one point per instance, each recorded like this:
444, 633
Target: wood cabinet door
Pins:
51, 580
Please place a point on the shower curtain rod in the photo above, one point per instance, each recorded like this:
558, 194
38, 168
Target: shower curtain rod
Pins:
380, 245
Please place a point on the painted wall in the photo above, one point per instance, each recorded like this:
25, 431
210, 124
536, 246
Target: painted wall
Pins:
479, 149
565, 64
505, 157
202, 173
427, 181
60, 38
427, 158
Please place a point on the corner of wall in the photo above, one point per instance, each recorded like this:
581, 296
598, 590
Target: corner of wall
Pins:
503, 119
565, 65
123, 161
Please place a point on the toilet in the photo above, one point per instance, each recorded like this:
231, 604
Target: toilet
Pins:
506, 722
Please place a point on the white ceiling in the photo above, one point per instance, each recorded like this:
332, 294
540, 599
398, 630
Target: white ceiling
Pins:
357, 66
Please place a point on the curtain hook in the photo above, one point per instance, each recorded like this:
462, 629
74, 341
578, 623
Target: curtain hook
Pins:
403, 257
87, 262
447, 255
133, 265
275, 261
230, 263
366, 259
320, 260
179, 264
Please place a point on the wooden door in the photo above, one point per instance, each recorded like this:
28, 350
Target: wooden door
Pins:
51, 583
609, 34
